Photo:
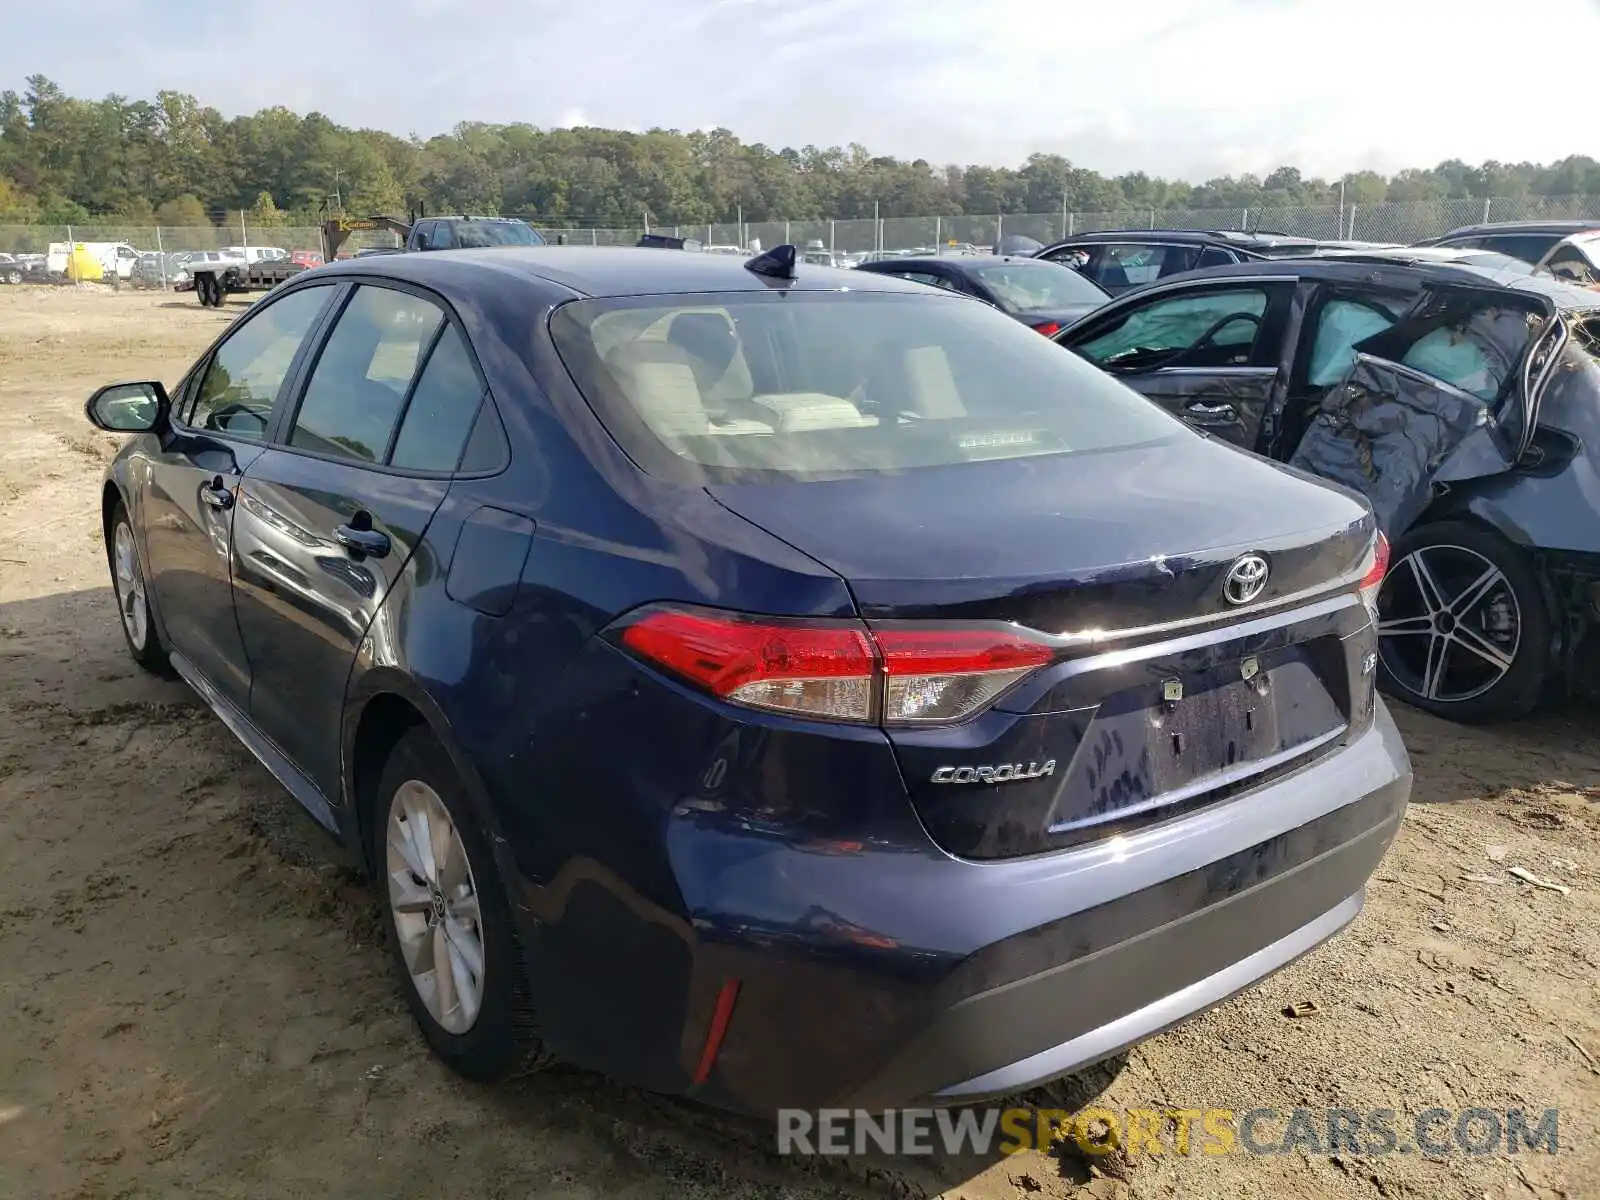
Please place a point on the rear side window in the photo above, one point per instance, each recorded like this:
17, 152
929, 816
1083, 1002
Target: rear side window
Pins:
242, 380
1569, 262
363, 374
439, 414
1529, 247
815, 385
1342, 322
1128, 265
1466, 341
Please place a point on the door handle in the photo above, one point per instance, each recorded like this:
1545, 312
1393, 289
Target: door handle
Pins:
1202, 413
360, 539
217, 494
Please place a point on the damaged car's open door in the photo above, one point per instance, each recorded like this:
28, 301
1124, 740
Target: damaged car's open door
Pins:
1448, 393
1207, 352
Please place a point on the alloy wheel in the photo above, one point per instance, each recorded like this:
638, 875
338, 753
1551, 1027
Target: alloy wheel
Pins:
433, 900
1450, 624
130, 586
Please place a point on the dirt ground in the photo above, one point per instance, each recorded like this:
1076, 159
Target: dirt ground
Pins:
194, 1000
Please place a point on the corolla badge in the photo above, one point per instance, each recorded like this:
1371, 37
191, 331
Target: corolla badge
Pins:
1246, 579
1004, 773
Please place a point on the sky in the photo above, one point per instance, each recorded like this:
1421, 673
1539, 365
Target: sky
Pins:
1185, 89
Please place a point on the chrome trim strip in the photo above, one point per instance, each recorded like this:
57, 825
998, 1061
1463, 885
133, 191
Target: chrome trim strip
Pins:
1263, 372
1211, 782
1072, 668
1340, 589
1422, 377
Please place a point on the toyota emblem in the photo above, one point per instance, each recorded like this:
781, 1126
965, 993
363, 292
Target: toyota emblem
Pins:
1246, 579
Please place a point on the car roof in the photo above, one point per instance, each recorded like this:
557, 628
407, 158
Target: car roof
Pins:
607, 271
1587, 240
1471, 255
1568, 226
1229, 237
1355, 268
959, 261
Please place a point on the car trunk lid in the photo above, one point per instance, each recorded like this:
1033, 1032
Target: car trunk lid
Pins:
1166, 688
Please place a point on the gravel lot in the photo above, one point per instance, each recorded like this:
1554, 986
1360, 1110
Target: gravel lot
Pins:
194, 1000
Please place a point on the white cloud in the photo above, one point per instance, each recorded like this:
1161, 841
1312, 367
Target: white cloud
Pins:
1189, 88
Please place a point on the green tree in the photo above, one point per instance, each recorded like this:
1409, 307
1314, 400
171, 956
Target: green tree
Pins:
173, 159
265, 212
182, 210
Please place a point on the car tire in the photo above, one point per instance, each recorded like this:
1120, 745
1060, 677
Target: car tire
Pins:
132, 597
13, 277
452, 913
1465, 629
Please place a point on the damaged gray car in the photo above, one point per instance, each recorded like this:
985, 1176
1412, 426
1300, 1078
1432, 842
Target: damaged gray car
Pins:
1462, 401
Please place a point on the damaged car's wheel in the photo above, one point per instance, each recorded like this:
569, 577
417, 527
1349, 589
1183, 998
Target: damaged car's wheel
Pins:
1464, 630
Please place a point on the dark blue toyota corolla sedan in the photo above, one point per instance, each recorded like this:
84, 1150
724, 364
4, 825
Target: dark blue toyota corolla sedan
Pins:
783, 685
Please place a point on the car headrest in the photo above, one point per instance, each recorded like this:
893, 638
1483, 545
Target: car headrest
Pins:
710, 337
658, 379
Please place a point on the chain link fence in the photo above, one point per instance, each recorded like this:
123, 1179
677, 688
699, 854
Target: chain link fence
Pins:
1402, 222
1389, 222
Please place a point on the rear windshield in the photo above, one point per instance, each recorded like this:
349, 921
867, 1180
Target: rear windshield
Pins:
471, 234
1038, 286
810, 385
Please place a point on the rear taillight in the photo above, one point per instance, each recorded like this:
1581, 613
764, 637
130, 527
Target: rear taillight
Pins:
943, 674
817, 669
837, 670
1377, 564
1049, 328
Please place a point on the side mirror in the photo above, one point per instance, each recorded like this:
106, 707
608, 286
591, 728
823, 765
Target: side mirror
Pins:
128, 407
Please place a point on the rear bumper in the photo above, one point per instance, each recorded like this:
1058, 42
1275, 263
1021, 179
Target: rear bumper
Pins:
876, 978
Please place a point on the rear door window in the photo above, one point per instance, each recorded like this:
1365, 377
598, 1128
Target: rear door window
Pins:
1464, 339
1344, 319
1212, 328
1122, 265
1529, 247
363, 374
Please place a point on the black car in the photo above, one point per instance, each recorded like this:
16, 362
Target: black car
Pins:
1044, 296
778, 684
1119, 260
1527, 240
1462, 400
23, 268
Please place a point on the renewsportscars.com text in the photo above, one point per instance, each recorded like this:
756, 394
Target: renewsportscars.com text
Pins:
1207, 1131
